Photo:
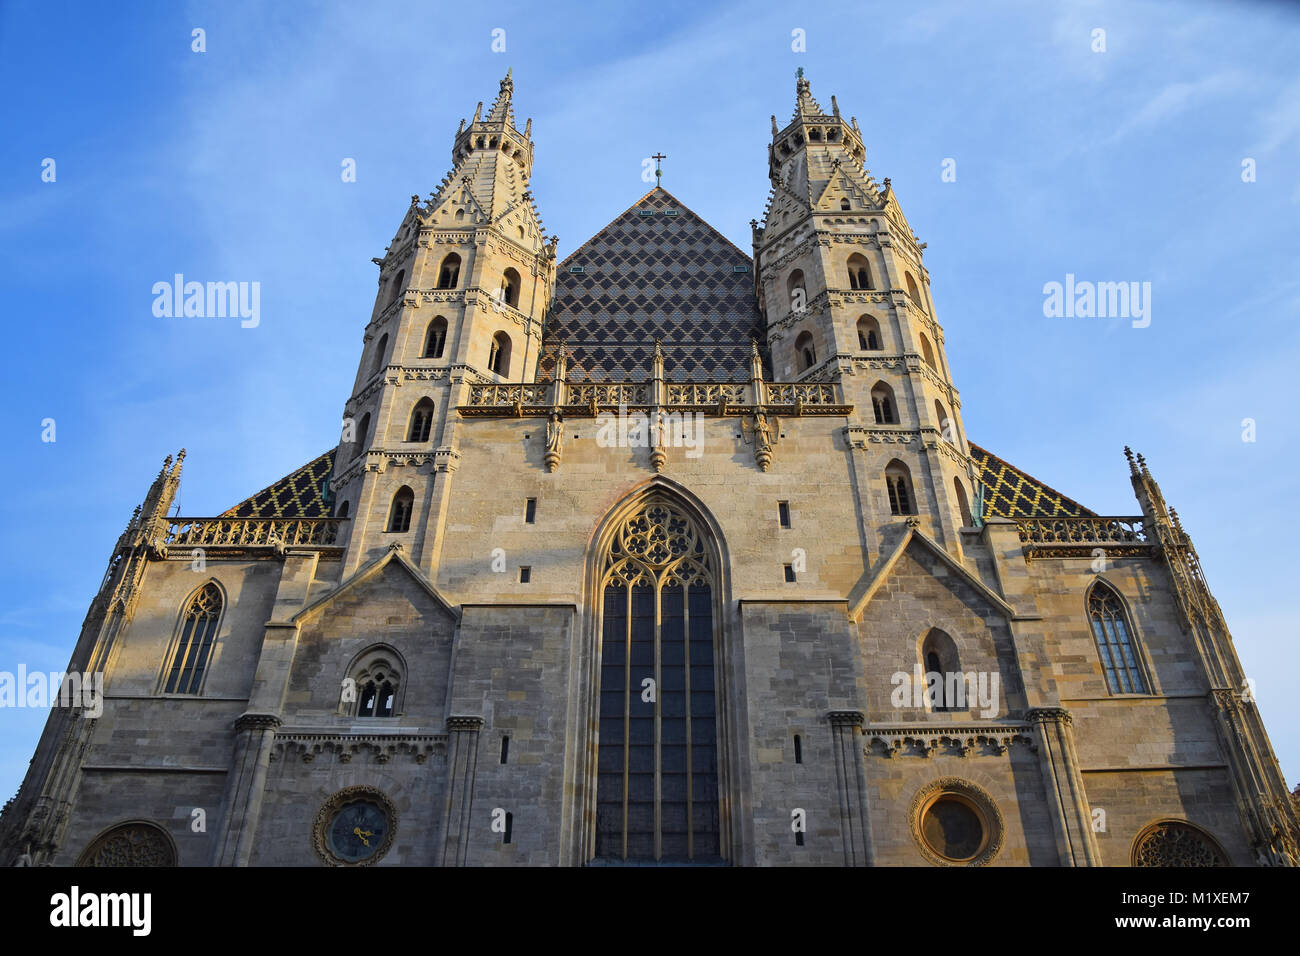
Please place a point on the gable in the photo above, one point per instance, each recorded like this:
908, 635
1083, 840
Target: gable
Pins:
651, 276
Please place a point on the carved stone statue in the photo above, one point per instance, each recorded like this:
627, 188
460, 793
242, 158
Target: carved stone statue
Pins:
554, 441
764, 432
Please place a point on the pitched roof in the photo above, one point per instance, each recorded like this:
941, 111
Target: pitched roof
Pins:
1013, 493
654, 274
299, 494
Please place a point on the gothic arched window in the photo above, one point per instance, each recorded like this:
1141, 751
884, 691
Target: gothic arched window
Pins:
435, 340
927, 352
657, 761
912, 290
399, 515
796, 291
939, 656
844, 205
963, 504
194, 644
376, 677
421, 421
859, 272
381, 348
941, 416
882, 404
803, 348
363, 432
898, 482
449, 274
398, 286
138, 843
499, 355
868, 334
1115, 642
510, 288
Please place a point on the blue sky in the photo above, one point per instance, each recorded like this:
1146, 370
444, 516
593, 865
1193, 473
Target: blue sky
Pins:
1124, 165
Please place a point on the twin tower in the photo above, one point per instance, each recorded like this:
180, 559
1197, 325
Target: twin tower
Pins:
468, 296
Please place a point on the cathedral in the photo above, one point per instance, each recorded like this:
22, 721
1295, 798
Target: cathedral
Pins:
664, 552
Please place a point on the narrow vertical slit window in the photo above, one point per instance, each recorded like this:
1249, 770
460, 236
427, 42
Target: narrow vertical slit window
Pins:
783, 512
530, 510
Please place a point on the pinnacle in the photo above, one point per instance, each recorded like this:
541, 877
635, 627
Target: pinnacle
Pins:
804, 104
501, 110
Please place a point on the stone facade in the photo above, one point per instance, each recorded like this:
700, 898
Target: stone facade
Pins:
417, 654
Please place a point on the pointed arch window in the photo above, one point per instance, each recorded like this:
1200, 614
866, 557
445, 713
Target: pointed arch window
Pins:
803, 347
927, 352
796, 291
499, 355
883, 405
421, 421
898, 483
381, 349
449, 273
868, 334
398, 286
1115, 643
435, 340
912, 290
657, 760
510, 288
939, 656
194, 646
363, 432
399, 515
859, 272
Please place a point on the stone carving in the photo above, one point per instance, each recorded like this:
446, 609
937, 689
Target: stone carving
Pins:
763, 433
131, 844
1176, 844
554, 441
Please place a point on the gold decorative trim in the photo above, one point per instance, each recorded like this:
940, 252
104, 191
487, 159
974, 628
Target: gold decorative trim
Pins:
346, 796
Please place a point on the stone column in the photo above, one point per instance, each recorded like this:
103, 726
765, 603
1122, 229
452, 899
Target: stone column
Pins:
1067, 802
242, 804
850, 783
462, 762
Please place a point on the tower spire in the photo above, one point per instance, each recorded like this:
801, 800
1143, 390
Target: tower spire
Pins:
502, 111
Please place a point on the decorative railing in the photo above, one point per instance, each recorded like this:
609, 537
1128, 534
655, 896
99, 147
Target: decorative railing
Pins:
705, 393
1082, 531
615, 393
815, 393
493, 396
252, 532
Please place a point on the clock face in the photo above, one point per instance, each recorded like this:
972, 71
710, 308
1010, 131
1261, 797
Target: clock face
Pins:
358, 831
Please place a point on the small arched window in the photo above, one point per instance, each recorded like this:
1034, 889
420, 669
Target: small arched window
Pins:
796, 291
939, 656
449, 274
844, 205
398, 286
912, 290
421, 421
946, 429
898, 483
499, 356
882, 404
381, 350
399, 515
341, 511
1115, 642
363, 432
927, 352
963, 504
376, 680
510, 288
859, 272
460, 215
435, 340
803, 347
868, 334
198, 631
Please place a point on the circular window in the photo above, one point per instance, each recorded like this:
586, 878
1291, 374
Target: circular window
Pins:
956, 823
355, 827
954, 828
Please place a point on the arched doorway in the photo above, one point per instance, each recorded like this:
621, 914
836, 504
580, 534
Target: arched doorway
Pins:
657, 757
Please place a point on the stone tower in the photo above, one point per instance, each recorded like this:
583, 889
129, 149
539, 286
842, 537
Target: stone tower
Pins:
846, 298
463, 293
